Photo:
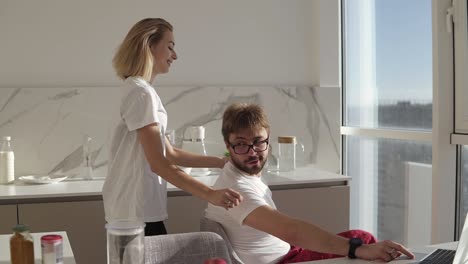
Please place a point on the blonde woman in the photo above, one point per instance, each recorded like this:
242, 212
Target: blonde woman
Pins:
141, 159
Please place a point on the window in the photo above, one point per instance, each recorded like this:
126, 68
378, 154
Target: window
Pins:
463, 208
387, 115
461, 66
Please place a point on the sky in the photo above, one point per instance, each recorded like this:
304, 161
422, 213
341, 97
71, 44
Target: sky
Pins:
403, 49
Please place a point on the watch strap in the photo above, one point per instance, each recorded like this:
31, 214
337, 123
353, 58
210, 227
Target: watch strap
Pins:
354, 243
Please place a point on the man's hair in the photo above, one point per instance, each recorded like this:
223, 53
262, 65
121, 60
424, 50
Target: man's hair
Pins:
134, 57
239, 116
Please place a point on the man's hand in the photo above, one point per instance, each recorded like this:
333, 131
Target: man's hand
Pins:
225, 160
226, 198
385, 251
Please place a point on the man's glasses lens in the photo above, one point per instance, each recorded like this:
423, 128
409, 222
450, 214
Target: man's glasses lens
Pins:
257, 147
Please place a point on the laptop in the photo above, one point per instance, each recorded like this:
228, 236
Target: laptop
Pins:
446, 256
427, 255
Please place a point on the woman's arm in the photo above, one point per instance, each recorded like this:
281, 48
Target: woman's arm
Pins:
149, 137
187, 159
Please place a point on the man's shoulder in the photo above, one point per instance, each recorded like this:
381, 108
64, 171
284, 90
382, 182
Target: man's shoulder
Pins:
230, 179
249, 190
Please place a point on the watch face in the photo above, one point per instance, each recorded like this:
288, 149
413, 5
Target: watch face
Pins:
356, 241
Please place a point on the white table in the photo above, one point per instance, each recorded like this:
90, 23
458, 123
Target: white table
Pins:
68, 257
422, 251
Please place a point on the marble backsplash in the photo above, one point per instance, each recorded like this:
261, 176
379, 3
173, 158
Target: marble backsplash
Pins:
50, 125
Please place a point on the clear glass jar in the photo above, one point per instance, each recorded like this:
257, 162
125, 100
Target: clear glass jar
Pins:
286, 153
125, 242
196, 144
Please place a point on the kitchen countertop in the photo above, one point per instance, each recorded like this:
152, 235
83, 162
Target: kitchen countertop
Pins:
307, 176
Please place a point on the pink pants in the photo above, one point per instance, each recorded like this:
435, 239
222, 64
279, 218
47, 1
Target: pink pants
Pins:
297, 254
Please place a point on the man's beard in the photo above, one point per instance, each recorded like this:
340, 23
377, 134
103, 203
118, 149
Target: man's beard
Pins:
250, 170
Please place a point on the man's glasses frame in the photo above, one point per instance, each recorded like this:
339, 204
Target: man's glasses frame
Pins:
256, 146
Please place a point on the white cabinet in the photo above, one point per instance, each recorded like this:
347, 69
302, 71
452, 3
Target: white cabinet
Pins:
7, 218
327, 207
83, 218
83, 221
185, 213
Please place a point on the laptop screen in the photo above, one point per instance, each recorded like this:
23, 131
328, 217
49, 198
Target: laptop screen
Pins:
462, 250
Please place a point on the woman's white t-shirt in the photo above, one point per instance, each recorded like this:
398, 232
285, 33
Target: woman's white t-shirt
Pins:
131, 190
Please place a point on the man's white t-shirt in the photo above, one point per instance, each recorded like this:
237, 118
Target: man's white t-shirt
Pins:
131, 190
252, 245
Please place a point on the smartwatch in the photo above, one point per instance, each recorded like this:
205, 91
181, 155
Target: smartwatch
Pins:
354, 243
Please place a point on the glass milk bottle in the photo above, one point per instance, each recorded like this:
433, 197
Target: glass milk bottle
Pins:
7, 162
286, 153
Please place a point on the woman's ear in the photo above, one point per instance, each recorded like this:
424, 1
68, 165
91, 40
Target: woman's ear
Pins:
153, 49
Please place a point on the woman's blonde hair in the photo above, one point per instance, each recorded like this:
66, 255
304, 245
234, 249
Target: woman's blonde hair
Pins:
134, 57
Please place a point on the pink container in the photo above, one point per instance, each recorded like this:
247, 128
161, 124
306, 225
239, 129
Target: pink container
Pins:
52, 249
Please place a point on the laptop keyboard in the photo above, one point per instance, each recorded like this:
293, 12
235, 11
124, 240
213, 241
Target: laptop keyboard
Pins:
440, 256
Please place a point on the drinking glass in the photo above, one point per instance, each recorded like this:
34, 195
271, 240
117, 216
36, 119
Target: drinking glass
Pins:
125, 242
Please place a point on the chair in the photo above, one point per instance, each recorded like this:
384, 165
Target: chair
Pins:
185, 248
215, 227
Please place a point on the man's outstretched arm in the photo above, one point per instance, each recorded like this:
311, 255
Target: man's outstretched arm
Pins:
296, 232
307, 235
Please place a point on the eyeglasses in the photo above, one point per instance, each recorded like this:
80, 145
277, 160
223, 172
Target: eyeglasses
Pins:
242, 148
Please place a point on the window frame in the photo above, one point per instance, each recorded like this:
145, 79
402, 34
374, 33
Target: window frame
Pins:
460, 36
444, 154
459, 16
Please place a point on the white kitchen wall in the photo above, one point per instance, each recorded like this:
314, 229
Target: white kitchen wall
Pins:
50, 125
57, 84
71, 43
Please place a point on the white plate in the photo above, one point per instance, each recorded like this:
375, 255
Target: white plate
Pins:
42, 179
